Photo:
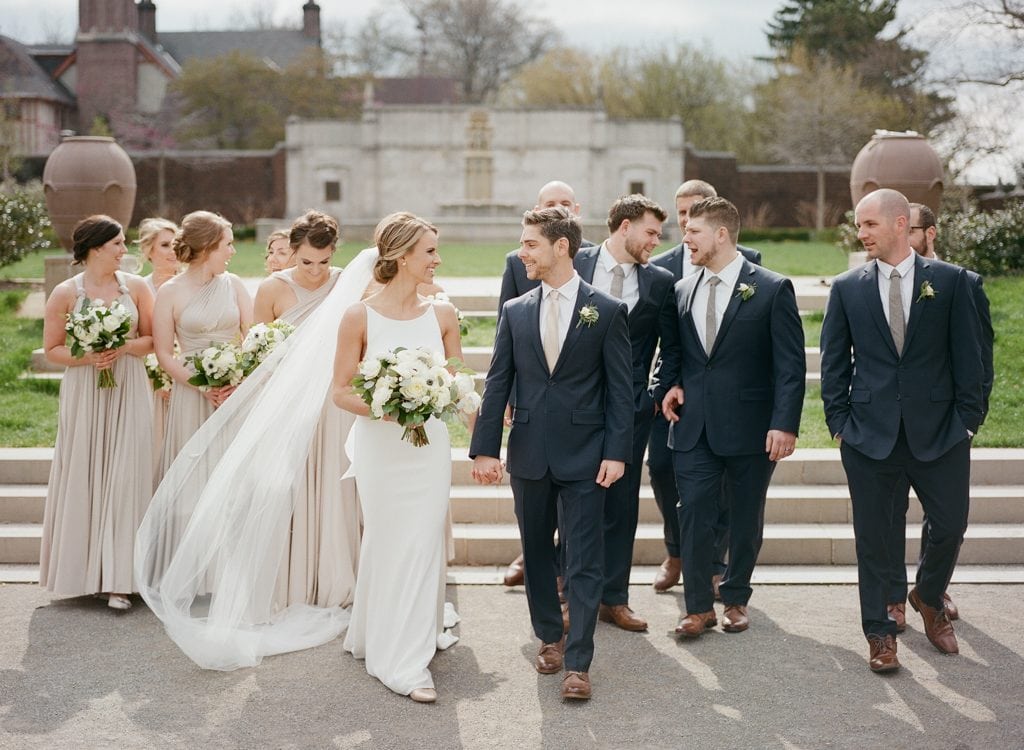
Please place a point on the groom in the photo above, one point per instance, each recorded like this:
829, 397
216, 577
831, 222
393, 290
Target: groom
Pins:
565, 349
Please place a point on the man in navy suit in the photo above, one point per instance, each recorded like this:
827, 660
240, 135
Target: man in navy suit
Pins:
619, 267
923, 232
564, 349
732, 342
515, 283
659, 458
902, 381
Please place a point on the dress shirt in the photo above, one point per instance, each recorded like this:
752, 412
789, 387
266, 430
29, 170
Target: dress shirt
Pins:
603, 277
566, 302
725, 292
906, 269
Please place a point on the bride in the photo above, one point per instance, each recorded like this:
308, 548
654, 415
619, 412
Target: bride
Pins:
230, 490
397, 615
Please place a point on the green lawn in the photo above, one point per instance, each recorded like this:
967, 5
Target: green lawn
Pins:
28, 409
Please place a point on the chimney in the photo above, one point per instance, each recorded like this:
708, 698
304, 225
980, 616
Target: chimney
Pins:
147, 19
110, 16
311, 21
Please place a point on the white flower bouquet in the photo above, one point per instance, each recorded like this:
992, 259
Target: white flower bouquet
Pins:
97, 328
215, 366
260, 342
412, 385
158, 377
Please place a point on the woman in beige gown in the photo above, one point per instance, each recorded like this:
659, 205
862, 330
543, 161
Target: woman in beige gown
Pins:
323, 550
100, 478
204, 305
156, 244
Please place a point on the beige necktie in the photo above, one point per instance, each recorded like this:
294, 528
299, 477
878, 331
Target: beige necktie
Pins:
618, 276
897, 324
551, 342
711, 317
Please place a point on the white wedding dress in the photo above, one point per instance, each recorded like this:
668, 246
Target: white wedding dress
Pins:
398, 614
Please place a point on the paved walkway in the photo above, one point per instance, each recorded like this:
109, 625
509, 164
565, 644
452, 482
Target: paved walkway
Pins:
75, 675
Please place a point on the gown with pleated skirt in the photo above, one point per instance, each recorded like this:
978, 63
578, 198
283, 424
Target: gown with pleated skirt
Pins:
160, 404
323, 547
101, 476
398, 613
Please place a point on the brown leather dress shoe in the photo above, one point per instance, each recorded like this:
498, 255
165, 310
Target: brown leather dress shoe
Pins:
668, 574
735, 619
694, 625
936, 624
514, 576
951, 611
622, 616
898, 614
576, 686
565, 617
716, 580
882, 657
549, 658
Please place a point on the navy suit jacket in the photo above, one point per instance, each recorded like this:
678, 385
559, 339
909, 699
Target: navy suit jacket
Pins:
753, 380
655, 289
568, 420
672, 260
988, 336
513, 279
935, 388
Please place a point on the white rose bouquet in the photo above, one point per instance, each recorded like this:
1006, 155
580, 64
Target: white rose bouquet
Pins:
97, 328
260, 342
216, 365
158, 377
412, 385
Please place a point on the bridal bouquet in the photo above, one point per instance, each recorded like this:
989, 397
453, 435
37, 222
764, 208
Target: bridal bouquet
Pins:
260, 342
412, 385
158, 377
97, 328
216, 365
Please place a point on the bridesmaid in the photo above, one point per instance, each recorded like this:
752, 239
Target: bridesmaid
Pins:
203, 305
280, 254
156, 244
100, 478
320, 560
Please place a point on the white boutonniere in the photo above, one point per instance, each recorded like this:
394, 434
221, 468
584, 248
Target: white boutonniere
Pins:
927, 291
746, 291
588, 316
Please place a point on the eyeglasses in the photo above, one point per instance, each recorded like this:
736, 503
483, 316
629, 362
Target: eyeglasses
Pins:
921, 228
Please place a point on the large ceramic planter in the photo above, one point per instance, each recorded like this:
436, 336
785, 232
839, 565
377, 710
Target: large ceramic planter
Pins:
901, 161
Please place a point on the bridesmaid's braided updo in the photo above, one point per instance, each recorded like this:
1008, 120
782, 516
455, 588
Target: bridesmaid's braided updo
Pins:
316, 228
201, 232
396, 235
91, 232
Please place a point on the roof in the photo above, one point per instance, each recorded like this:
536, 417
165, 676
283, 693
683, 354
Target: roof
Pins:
22, 77
415, 90
281, 46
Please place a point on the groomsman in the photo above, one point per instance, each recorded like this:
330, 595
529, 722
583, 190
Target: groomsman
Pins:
620, 267
659, 458
733, 343
923, 232
515, 283
901, 381
562, 352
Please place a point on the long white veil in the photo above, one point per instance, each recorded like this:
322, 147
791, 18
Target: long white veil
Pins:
218, 523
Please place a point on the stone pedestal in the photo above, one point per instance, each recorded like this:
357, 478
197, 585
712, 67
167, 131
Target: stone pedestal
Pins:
57, 269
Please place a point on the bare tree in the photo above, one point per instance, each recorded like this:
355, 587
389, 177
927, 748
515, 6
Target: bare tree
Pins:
997, 27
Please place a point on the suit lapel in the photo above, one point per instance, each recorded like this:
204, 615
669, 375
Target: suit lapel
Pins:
735, 300
575, 328
586, 262
873, 299
694, 282
922, 273
533, 316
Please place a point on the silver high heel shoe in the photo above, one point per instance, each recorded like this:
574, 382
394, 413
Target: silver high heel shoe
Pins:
424, 695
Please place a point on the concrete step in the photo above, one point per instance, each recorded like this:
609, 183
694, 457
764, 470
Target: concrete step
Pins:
19, 543
784, 544
25, 465
22, 503
19, 573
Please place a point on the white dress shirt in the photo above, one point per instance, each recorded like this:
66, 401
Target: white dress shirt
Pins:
906, 269
603, 277
566, 301
725, 291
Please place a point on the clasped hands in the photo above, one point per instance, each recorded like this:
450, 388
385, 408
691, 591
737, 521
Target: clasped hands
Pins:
489, 470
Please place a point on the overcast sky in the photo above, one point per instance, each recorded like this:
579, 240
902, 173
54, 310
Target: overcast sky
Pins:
733, 29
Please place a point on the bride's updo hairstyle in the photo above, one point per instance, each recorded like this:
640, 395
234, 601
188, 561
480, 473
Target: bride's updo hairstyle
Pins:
200, 232
396, 235
91, 232
316, 228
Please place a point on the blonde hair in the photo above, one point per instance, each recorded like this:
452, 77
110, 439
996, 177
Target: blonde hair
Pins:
200, 232
149, 230
396, 235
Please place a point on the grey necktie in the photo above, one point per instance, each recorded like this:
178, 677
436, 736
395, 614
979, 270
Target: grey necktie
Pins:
711, 317
897, 324
551, 342
618, 276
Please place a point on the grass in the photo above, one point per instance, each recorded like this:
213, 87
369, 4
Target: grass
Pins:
488, 259
28, 409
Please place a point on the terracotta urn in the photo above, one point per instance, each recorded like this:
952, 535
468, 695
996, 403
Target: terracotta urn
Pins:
901, 161
87, 175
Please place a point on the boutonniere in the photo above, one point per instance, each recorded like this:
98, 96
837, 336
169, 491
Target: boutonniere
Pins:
746, 291
588, 316
927, 291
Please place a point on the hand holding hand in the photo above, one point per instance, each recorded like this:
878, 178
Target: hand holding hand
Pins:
610, 472
779, 445
487, 470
